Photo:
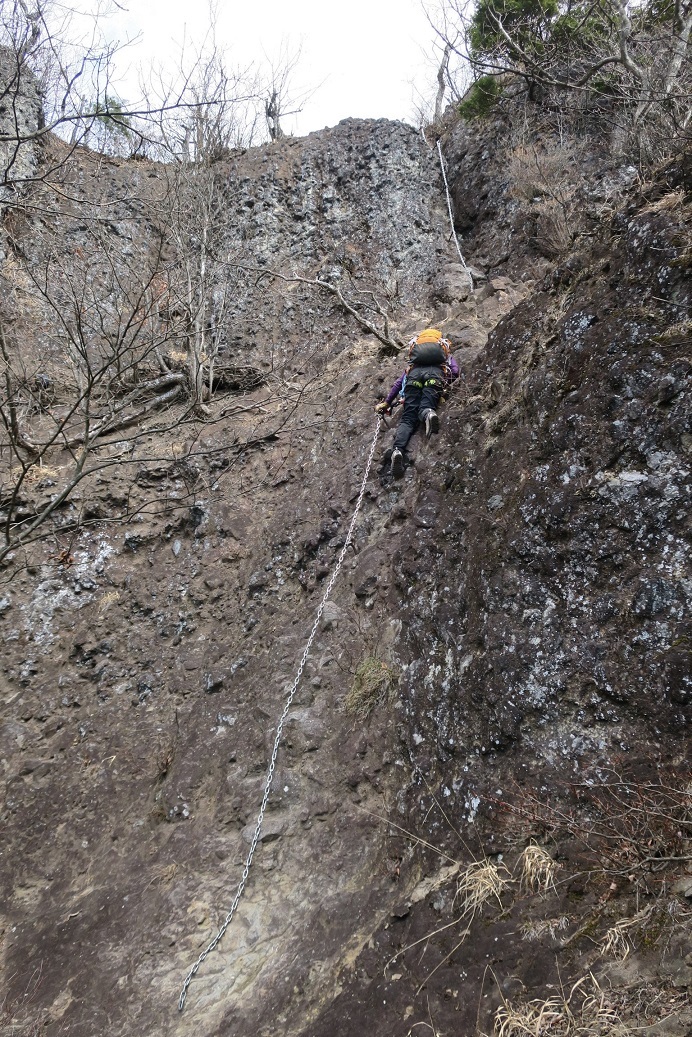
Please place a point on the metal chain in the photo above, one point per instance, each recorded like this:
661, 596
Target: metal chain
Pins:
449, 209
279, 731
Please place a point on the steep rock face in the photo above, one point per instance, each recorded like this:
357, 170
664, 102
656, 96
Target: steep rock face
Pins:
522, 192
526, 584
359, 206
541, 573
570, 465
362, 198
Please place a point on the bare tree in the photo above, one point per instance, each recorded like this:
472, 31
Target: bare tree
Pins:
224, 116
216, 109
57, 77
449, 70
191, 214
442, 74
81, 343
198, 282
56, 67
281, 97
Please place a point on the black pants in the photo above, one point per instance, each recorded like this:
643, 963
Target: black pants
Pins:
418, 397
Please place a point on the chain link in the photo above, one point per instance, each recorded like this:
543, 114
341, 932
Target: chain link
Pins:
279, 731
449, 209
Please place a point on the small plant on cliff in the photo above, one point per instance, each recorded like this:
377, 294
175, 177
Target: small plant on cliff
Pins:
631, 826
627, 839
481, 98
110, 130
373, 684
548, 171
550, 177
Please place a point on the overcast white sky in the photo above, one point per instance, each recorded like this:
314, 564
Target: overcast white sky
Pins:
364, 53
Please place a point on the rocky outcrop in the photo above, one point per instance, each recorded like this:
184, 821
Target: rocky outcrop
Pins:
20, 118
525, 588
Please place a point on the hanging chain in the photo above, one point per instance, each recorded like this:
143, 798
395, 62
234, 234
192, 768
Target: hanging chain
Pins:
449, 209
279, 731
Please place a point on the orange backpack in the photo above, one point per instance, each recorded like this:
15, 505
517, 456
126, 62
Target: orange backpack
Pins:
429, 349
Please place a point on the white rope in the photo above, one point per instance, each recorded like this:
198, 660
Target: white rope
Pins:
279, 731
449, 209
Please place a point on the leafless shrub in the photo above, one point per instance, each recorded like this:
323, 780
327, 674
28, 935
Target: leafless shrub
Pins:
646, 1003
633, 827
549, 171
549, 177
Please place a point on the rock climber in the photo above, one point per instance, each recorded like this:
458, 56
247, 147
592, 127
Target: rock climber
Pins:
430, 370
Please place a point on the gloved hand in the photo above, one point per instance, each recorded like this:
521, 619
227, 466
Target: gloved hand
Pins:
382, 407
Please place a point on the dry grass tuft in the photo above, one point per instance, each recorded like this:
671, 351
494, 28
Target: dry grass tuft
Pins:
544, 927
615, 942
681, 330
373, 684
177, 359
480, 882
538, 869
583, 1013
554, 231
42, 471
672, 200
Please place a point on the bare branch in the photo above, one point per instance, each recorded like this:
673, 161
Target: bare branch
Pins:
393, 345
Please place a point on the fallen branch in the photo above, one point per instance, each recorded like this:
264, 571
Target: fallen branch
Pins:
232, 411
393, 346
112, 424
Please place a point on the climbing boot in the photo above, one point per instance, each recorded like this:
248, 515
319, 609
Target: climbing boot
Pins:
397, 464
432, 423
